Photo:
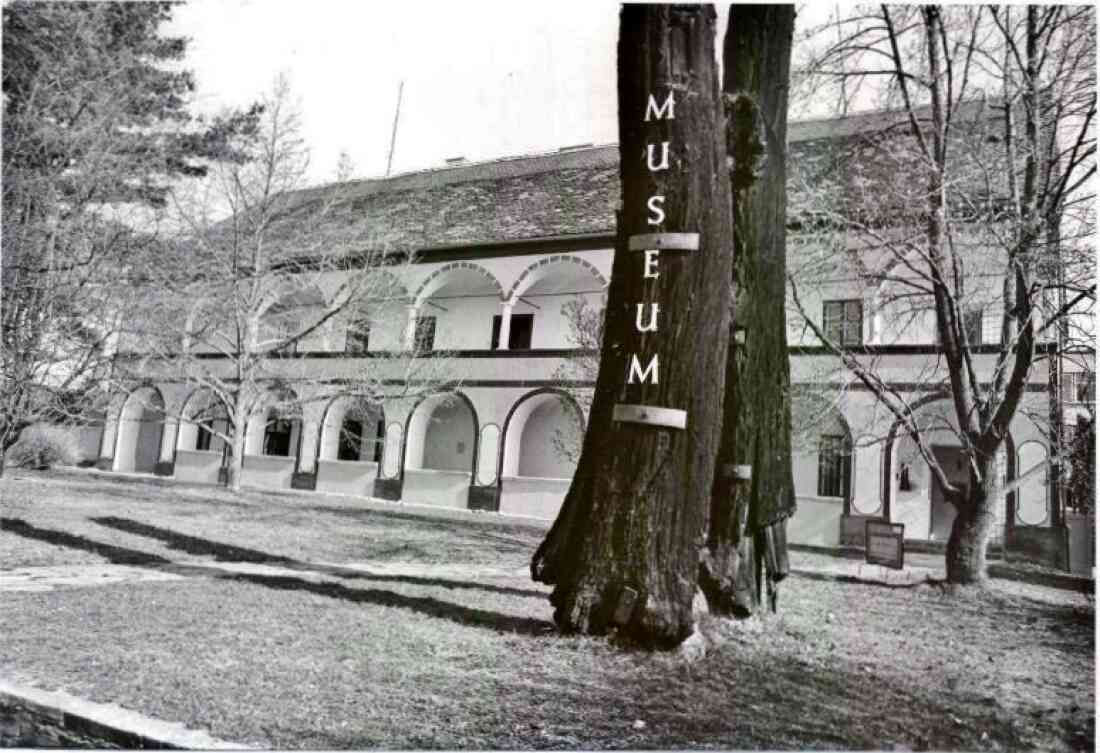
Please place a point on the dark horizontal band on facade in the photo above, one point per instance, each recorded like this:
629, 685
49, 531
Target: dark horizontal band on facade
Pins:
903, 350
930, 387
440, 386
794, 350
470, 251
328, 354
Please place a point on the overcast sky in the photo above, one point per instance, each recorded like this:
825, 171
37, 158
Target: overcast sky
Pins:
481, 80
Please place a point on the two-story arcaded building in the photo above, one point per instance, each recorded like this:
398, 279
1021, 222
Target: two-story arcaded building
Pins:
500, 247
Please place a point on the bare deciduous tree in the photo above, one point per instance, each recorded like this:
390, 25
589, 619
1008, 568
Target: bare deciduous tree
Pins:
228, 305
975, 193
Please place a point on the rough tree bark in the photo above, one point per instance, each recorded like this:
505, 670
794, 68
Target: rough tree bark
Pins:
748, 517
974, 522
623, 551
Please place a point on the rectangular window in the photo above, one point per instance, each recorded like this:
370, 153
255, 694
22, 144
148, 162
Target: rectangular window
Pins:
834, 466
202, 441
844, 321
284, 330
972, 325
358, 337
351, 437
1078, 387
519, 336
425, 334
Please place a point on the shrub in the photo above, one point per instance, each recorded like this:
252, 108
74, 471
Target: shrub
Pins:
43, 446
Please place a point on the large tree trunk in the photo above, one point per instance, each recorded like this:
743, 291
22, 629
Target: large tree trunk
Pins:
747, 517
624, 549
974, 521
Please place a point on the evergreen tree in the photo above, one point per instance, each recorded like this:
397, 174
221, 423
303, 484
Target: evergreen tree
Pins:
96, 124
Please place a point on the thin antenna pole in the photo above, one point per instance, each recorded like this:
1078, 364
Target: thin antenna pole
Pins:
393, 136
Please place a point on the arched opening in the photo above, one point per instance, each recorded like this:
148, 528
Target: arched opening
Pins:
140, 431
917, 498
442, 434
354, 429
454, 309
204, 417
539, 451
440, 451
272, 441
376, 320
541, 301
352, 445
200, 452
542, 437
293, 322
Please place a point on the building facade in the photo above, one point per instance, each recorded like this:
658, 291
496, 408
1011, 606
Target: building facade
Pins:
501, 249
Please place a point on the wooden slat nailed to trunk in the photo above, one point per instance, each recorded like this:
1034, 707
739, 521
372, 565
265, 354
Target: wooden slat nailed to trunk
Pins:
633, 520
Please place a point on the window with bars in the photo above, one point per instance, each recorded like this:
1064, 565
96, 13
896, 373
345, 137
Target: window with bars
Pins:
358, 337
834, 466
844, 321
424, 339
972, 325
1078, 387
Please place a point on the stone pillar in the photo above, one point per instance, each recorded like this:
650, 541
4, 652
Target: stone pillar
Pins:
311, 437
410, 327
166, 460
107, 442
484, 491
388, 482
505, 324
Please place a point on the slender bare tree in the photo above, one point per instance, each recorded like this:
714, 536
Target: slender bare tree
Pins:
974, 194
228, 305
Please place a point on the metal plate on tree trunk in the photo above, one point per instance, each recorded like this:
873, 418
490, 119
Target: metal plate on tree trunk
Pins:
651, 416
670, 241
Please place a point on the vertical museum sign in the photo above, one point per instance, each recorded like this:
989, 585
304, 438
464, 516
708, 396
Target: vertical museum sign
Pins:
647, 314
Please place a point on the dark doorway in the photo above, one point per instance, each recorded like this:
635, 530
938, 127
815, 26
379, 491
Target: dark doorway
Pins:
519, 333
351, 439
277, 437
942, 513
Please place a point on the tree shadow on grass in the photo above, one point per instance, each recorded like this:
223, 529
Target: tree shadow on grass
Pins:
421, 604
229, 553
115, 554
426, 520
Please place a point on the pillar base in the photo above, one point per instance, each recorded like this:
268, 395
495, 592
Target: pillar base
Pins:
105, 464
306, 481
484, 498
164, 468
388, 488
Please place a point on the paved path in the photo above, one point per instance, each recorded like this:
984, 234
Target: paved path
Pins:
47, 578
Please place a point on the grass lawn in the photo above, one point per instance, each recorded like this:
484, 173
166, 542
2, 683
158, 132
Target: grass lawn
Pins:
401, 628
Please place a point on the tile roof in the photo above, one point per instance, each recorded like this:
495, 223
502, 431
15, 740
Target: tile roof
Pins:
570, 192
